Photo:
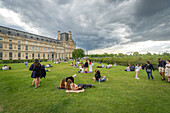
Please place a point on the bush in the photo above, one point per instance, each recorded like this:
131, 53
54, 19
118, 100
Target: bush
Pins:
20, 61
129, 60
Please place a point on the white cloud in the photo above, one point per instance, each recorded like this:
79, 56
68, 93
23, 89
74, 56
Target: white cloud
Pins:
9, 17
142, 47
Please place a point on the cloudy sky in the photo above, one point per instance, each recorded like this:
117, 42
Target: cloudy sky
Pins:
99, 26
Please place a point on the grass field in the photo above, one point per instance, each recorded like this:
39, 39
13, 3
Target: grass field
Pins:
122, 93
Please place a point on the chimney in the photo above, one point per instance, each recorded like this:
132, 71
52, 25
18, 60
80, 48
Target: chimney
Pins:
59, 35
69, 36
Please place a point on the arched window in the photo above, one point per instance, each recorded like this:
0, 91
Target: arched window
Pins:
9, 33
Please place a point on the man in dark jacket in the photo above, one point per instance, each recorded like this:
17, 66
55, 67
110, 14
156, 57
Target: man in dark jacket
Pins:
161, 68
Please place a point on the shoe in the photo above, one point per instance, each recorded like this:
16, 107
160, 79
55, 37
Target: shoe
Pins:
39, 86
163, 79
167, 81
36, 87
137, 78
153, 80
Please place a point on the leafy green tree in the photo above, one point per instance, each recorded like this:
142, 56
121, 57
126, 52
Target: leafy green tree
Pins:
136, 54
78, 53
166, 54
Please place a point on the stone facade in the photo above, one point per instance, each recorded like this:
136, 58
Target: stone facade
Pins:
15, 44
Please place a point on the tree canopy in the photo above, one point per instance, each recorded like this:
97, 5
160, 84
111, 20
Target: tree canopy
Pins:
78, 53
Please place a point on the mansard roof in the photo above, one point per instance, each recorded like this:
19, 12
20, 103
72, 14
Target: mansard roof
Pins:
14, 32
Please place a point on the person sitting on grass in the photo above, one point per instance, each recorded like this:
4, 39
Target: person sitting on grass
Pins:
81, 70
167, 70
71, 64
109, 66
98, 77
132, 68
73, 86
5, 67
46, 70
36, 73
127, 68
75, 66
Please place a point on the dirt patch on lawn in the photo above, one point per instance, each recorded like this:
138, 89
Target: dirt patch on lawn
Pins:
1, 109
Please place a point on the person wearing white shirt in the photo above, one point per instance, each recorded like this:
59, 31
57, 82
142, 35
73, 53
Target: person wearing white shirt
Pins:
137, 68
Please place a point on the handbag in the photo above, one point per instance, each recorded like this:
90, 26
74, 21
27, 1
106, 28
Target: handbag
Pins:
148, 70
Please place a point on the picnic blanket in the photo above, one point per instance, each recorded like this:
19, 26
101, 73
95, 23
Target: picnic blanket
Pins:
77, 91
87, 72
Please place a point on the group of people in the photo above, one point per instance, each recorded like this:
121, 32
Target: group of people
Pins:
84, 67
68, 83
163, 67
38, 71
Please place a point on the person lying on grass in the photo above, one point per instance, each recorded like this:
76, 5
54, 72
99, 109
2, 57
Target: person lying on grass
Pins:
98, 77
100, 66
72, 86
63, 83
5, 67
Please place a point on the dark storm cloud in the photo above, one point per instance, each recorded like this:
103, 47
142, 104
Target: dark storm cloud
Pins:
96, 24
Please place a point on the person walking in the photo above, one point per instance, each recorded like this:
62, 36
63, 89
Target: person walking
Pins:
161, 68
167, 70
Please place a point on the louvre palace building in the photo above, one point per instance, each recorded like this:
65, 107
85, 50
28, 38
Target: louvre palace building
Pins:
16, 45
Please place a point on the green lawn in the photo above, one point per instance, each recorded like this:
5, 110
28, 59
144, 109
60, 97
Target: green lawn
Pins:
122, 93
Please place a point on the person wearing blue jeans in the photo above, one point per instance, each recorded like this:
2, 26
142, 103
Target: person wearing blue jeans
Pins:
149, 68
150, 73
98, 77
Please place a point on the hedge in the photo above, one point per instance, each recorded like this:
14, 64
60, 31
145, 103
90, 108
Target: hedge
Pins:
20, 61
124, 61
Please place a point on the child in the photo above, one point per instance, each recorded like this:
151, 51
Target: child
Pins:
137, 68
25, 63
167, 70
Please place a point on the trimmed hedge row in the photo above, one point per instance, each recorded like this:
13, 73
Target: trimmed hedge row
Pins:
124, 61
20, 61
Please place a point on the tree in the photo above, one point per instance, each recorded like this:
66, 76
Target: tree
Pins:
136, 54
78, 53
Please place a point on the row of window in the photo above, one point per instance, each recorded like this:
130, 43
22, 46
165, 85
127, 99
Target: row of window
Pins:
26, 55
10, 40
26, 48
